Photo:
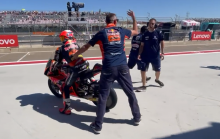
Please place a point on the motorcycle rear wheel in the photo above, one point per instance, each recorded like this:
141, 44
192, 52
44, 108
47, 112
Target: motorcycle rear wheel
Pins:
111, 100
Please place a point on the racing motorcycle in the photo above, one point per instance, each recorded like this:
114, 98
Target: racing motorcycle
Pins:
84, 87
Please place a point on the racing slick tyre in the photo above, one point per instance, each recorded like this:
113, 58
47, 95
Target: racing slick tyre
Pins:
111, 101
54, 89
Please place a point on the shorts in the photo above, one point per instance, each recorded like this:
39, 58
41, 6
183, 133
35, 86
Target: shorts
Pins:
144, 64
132, 61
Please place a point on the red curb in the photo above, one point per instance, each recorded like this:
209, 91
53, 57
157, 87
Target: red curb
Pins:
99, 58
25, 62
192, 52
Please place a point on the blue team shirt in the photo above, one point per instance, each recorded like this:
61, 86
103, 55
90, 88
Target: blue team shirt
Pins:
135, 45
151, 42
111, 40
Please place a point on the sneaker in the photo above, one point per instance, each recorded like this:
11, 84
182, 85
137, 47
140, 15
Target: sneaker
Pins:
159, 82
137, 122
147, 79
142, 88
94, 128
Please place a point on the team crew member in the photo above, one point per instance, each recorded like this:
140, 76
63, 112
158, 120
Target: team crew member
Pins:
149, 52
135, 42
111, 41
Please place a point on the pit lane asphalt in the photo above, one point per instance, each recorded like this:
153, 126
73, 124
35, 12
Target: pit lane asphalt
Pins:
187, 107
34, 54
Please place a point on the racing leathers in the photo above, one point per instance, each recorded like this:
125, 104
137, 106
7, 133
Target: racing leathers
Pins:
77, 67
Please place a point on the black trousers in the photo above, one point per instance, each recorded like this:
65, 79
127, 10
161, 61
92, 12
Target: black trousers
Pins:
108, 76
73, 74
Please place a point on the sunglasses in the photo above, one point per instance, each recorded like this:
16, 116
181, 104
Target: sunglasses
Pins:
117, 20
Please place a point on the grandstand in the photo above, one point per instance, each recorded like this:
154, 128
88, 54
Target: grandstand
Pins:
86, 24
60, 18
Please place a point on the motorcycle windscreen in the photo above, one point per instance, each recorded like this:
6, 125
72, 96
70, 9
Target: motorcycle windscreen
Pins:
47, 68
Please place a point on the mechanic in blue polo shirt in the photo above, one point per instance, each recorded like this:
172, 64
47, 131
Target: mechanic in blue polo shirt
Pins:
135, 45
111, 41
149, 52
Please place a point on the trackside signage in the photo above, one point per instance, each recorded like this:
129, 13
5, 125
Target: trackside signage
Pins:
201, 35
9, 41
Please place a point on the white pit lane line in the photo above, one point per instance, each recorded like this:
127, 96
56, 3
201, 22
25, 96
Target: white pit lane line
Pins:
4, 55
23, 56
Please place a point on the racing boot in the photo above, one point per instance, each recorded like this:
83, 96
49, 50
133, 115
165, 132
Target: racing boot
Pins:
67, 109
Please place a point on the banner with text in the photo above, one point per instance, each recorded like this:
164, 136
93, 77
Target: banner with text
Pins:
43, 33
9, 41
200, 35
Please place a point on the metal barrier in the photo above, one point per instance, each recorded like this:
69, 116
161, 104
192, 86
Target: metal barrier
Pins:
34, 41
27, 39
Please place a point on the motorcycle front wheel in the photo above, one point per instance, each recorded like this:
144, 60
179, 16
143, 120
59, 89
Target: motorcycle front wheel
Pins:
54, 89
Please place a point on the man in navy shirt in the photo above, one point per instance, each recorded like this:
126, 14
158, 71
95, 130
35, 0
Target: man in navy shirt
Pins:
111, 41
135, 44
149, 52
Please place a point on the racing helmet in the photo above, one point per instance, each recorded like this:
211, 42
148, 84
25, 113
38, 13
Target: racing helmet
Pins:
66, 35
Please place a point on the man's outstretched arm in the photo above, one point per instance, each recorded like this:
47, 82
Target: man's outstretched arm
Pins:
81, 50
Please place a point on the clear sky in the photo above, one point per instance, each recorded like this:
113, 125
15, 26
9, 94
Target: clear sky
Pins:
156, 8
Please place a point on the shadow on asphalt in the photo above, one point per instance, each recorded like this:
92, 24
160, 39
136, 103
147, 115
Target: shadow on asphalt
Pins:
48, 105
212, 67
116, 85
212, 132
136, 82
